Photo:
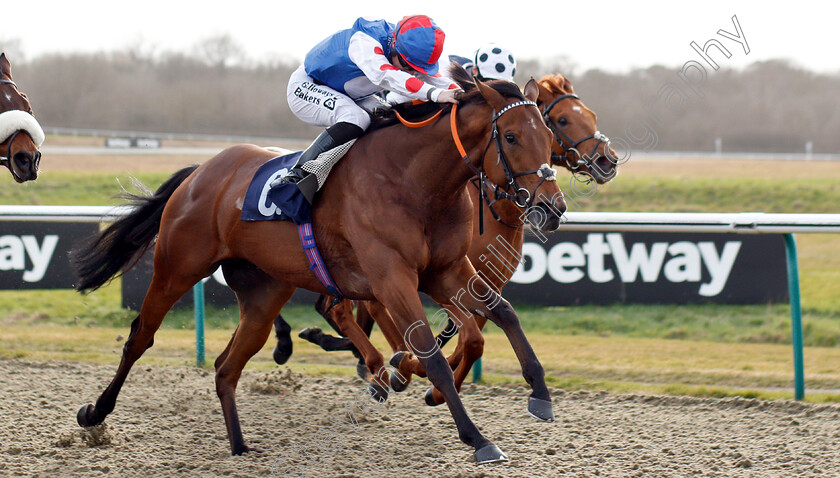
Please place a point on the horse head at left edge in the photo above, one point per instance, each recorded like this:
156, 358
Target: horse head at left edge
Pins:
20, 134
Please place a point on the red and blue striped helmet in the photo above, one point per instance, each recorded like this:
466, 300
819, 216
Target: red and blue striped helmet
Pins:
419, 42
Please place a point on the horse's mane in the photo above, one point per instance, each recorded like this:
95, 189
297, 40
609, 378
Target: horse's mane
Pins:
556, 84
470, 95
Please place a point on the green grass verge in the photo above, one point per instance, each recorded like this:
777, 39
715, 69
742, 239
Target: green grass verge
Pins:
718, 194
708, 322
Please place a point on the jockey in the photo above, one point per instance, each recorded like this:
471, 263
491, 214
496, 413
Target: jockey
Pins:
337, 84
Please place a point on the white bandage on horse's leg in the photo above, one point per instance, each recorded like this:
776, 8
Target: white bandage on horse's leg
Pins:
17, 120
325, 161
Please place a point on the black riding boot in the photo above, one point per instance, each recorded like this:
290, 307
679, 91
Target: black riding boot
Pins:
333, 137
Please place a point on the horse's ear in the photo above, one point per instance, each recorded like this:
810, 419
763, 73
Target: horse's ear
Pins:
493, 97
532, 89
5, 67
567, 85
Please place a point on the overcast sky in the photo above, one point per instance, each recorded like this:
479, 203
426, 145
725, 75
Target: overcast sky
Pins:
613, 35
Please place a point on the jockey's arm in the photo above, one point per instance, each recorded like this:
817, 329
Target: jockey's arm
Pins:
367, 54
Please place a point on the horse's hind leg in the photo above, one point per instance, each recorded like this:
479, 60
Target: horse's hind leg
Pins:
260, 299
255, 325
283, 348
342, 313
165, 289
332, 313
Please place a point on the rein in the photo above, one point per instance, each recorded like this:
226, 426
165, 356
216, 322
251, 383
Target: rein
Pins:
583, 159
418, 124
480, 180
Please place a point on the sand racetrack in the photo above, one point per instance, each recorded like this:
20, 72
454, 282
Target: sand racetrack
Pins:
168, 422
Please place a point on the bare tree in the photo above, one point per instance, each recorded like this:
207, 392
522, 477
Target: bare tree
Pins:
768, 106
220, 51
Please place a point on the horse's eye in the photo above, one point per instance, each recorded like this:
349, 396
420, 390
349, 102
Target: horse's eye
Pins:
562, 121
510, 138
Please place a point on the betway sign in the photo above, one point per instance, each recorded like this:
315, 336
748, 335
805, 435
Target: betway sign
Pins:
33, 255
601, 268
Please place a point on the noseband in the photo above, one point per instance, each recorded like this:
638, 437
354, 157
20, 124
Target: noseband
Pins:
519, 195
4, 160
583, 160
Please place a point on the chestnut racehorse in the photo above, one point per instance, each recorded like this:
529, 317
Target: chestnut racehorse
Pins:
578, 146
20, 133
394, 217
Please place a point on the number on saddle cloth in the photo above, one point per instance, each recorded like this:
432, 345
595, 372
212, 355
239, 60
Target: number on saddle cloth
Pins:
285, 202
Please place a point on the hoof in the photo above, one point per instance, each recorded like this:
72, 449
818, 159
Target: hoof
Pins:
429, 397
377, 392
397, 358
86, 416
309, 334
362, 371
397, 385
540, 409
281, 354
490, 454
245, 450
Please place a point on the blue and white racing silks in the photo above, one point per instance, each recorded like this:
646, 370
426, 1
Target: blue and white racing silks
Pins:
355, 62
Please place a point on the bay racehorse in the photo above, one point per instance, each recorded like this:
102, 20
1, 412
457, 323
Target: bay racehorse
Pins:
20, 133
578, 146
394, 217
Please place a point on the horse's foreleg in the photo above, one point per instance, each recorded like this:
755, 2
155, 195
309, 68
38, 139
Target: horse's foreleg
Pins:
447, 334
468, 294
347, 325
474, 344
331, 343
401, 360
470, 348
397, 290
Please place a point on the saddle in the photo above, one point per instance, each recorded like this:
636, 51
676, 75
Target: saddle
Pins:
285, 202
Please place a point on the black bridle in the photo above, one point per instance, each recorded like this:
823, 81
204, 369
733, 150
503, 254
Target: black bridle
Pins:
511, 190
6, 160
567, 143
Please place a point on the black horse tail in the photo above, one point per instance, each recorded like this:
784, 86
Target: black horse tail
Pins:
119, 247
